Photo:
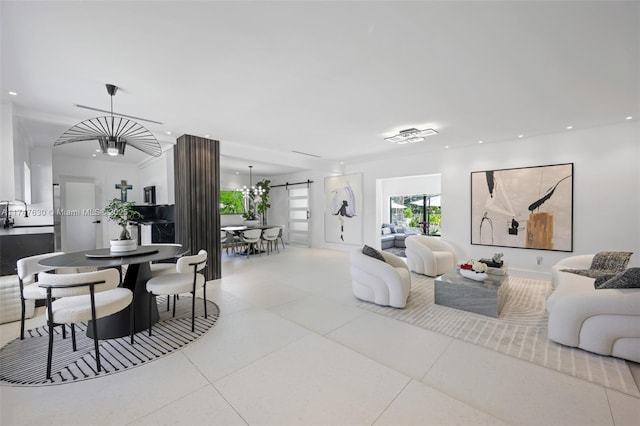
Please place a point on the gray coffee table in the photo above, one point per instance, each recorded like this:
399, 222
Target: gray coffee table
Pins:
485, 298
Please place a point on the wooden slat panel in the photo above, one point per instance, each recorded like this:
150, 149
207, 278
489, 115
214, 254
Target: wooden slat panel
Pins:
197, 191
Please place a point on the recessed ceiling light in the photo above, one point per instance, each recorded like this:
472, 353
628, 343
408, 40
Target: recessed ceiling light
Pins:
13, 93
480, 141
446, 147
629, 118
237, 173
168, 132
97, 150
520, 136
569, 127
342, 163
93, 155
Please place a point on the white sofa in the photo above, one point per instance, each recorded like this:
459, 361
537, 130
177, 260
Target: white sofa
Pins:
430, 256
385, 283
604, 321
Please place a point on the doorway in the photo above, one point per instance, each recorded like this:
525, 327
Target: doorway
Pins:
79, 219
299, 216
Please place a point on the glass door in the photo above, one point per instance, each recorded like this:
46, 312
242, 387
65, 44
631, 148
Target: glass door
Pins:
299, 216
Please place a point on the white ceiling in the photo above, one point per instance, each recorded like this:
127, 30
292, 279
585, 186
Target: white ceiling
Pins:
326, 78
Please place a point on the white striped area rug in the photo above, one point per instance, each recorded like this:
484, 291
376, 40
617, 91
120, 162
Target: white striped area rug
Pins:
521, 331
24, 362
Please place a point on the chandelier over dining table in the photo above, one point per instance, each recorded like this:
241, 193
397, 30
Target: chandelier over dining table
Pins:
251, 191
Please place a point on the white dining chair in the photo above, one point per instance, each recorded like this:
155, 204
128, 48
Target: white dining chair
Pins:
280, 237
80, 297
28, 269
270, 235
163, 268
185, 280
252, 239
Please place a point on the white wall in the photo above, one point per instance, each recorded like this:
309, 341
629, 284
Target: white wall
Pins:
155, 172
7, 177
42, 189
606, 190
106, 174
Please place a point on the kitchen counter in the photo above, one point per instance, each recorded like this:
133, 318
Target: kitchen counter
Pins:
22, 230
19, 242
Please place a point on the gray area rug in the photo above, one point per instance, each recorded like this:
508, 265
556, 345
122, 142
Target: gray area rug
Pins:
521, 331
24, 362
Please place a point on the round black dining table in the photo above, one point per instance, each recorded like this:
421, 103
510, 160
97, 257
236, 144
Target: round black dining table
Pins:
135, 279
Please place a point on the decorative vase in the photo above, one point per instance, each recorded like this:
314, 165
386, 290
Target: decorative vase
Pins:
118, 246
251, 223
473, 275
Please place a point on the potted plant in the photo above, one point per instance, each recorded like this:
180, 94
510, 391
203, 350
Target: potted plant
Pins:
263, 204
249, 215
121, 212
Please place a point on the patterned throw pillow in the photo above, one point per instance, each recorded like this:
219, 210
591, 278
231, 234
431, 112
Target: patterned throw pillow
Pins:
629, 278
614, 261
370, 251
386, 231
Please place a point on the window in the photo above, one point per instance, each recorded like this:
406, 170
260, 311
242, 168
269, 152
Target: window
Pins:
420, 212
230, 202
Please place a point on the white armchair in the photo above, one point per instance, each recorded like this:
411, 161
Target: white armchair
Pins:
385, 283
604, 321
580, 261
430, 256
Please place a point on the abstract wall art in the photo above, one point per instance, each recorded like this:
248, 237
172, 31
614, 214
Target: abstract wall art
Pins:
343, 209
527, 207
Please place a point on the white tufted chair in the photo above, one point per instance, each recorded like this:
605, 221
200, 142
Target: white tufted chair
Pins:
83, 297
430, 256
385, 283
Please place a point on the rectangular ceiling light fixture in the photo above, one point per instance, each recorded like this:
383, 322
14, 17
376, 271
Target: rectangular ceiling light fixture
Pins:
411, 136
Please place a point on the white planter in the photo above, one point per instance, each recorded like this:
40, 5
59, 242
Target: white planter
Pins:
251, 223
472, 275
123, 245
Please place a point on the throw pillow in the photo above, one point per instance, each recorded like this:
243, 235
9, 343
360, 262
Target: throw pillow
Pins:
370, 251
603, 279
615, 261
591, 273
393, 229
386, 231
629, 278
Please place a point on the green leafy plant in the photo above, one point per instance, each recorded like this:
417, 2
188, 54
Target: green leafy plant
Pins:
121, 212
250, 214
408, 213
263, 204
230, 202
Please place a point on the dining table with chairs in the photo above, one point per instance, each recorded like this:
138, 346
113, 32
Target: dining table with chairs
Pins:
246, 240
138, 272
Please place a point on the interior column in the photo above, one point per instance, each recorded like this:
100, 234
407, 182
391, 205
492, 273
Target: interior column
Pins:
197, 193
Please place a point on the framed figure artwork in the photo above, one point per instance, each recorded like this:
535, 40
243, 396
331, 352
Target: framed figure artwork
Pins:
343, 218
526, 207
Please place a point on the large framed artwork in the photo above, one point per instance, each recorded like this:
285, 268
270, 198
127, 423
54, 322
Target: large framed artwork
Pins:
343, 209
527, 207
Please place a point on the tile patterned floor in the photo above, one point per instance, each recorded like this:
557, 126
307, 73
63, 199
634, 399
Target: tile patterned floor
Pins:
291, 347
